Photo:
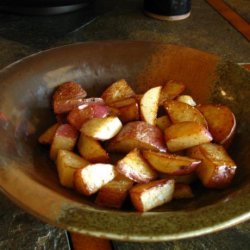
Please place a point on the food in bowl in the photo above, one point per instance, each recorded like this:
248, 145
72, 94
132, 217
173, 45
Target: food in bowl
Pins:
162, 135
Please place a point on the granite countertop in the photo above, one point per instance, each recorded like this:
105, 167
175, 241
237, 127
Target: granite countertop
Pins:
205, 29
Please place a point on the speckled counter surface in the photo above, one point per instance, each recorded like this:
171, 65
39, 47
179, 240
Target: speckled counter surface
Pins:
20, 36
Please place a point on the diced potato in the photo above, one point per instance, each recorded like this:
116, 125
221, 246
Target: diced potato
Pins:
171, 164
184, 135
221, 121
68, 96
102, 128
114, 193
217, 168
149, 105
171, 90
92, 150
139, 135
48, 135
128, 109
182, 112
91, 178
64, 138
67, 162
153, 194
117, 91
129, 113
78, 116
136, 168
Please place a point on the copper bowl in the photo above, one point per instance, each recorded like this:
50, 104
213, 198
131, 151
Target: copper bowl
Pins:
29, 178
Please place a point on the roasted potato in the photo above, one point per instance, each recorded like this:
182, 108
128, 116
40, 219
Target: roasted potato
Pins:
153, 194
184, 135
92, 177
171, 164
149, 105
67, 162
102, 128
117, 91
134, 167
139, 135
64, 138
217, 168
91, 150
68, 96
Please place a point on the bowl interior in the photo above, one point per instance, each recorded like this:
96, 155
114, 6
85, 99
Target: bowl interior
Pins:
29, 178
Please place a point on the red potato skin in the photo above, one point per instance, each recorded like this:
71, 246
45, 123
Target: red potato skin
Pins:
77, 117
68, 96
143, 132
124, 167
222, 132
68, 134
222, 177
223, 171
66, 130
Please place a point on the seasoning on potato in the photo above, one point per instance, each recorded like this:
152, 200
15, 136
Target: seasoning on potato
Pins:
160, 155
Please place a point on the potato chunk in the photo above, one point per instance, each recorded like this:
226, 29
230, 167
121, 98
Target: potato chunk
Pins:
184, 135
67, 96
221, 121
153, 194
91, 178
67, 162
139, 135
78, 116
171, 164
171, 90
102, 128
117, 91
115, 192
217, 168
136, 168
64, 138
149, 105
182, 112
92, 150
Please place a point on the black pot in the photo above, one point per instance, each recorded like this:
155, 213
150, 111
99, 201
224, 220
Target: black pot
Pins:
42, 7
